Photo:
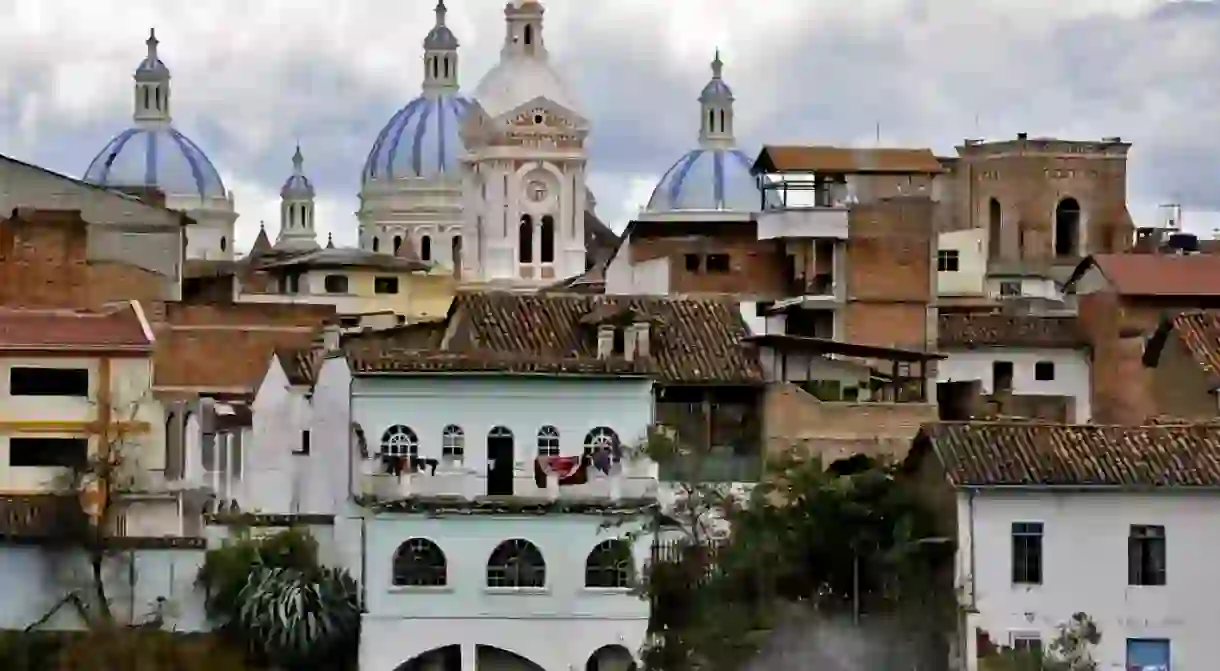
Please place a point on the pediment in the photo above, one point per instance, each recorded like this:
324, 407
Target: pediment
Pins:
545, 116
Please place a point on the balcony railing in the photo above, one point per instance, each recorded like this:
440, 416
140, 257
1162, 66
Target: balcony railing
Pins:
634, 479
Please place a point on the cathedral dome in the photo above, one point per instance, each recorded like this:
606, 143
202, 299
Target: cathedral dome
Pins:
524, 71
708, 179
158, 157
421, 140
152, 153
715, 176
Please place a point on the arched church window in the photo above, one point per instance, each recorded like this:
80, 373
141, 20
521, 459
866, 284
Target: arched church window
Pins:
711, 120
548, 239
223, 243
397, 243
525, 239
435, 67
721, 121
425, 248
529, 35
146, 92
456, 244
157, 97
376, 244
446, 67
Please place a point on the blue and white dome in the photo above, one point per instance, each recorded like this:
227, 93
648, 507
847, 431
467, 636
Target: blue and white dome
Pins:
715, 176
152, 153
158, 157
708, 179
421, 140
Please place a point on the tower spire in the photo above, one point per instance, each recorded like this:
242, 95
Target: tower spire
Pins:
440, 56
716, 110
151, 85
523, 30
297, 208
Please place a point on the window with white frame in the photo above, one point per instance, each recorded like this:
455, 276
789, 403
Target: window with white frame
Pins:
548, 442
399, 441
453, 443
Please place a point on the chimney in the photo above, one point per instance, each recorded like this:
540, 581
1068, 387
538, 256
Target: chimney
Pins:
330, 337
605, 341
1022, 136
643, 339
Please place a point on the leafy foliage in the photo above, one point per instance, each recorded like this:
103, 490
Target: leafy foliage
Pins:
298, 616
119, 647
849, 539
272, 595
1070, 650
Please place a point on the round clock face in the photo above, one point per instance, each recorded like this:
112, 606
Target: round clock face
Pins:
536, 191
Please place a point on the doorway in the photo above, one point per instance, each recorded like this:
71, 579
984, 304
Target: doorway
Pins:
500, 460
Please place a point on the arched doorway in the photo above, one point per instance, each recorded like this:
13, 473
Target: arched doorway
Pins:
500, 462
448, 658
611, 658
1067, 228
491, 657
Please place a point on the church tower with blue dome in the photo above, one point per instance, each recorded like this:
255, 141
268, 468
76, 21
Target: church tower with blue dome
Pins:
152, 154
297, 232
411, 185
713, 179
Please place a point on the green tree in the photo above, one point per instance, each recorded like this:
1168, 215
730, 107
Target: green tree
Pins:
849, 541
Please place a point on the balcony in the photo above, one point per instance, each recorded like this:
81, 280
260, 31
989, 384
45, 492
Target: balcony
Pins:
804, 208
634, 479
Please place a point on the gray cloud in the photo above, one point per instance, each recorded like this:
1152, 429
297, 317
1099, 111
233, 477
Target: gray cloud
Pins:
249, 82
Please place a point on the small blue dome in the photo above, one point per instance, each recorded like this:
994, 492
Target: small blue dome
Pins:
420, 140
159, 157
708, 179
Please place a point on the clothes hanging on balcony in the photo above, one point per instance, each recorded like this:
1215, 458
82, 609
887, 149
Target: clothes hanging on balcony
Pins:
569, 470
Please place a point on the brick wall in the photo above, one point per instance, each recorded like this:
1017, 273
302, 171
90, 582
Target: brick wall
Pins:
794, 419
247, 314
756, 267
42, 259
1180, 388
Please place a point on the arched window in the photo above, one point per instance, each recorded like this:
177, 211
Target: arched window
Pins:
446, 67
157, 97
601, 439
548, 239
376, 244
419, 563
147, 90
456, 251
529, 34
453, 442
995, 228
721, 121
609, 565
425, 248
548, 442
397, 244
711, 120
399, 441
1067, 227
223, 243
525, 239
435, 67
516, 563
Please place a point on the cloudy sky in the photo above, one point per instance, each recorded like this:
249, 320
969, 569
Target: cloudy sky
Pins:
250, 78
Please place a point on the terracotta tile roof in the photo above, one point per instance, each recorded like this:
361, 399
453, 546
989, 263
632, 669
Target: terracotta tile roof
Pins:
694, 340
300, 365
423, 335
991, 454
416, 361
1199, 333
118, 329
775, 158
999, 330
1159, 274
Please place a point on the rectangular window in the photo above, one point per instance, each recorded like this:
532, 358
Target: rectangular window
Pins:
48, 382
335, 284
1027, 553
1029, 643
1146, 555
947, 260
304, 448
1010, 289
48, 452
1001, 377
717, 263
693, 263
1147, 654
385, 285
1044, 371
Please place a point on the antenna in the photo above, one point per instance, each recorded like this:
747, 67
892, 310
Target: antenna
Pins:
878, 134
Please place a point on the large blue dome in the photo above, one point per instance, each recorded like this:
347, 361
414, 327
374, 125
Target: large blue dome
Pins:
421, 140
708, 179
159, 157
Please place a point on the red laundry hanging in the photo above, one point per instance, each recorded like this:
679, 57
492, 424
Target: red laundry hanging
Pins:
569, 470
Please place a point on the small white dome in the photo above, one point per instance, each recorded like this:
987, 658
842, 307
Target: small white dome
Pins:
515, 81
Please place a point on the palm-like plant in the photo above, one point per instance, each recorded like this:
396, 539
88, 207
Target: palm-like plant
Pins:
297, 615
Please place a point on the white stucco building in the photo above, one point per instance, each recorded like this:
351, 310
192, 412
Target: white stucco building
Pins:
1043, 359
153, 154
1114, 522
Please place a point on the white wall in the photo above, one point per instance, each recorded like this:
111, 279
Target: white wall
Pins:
972, 262
558, 626
1071, 372
1085, 569
271, 472
647, 277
